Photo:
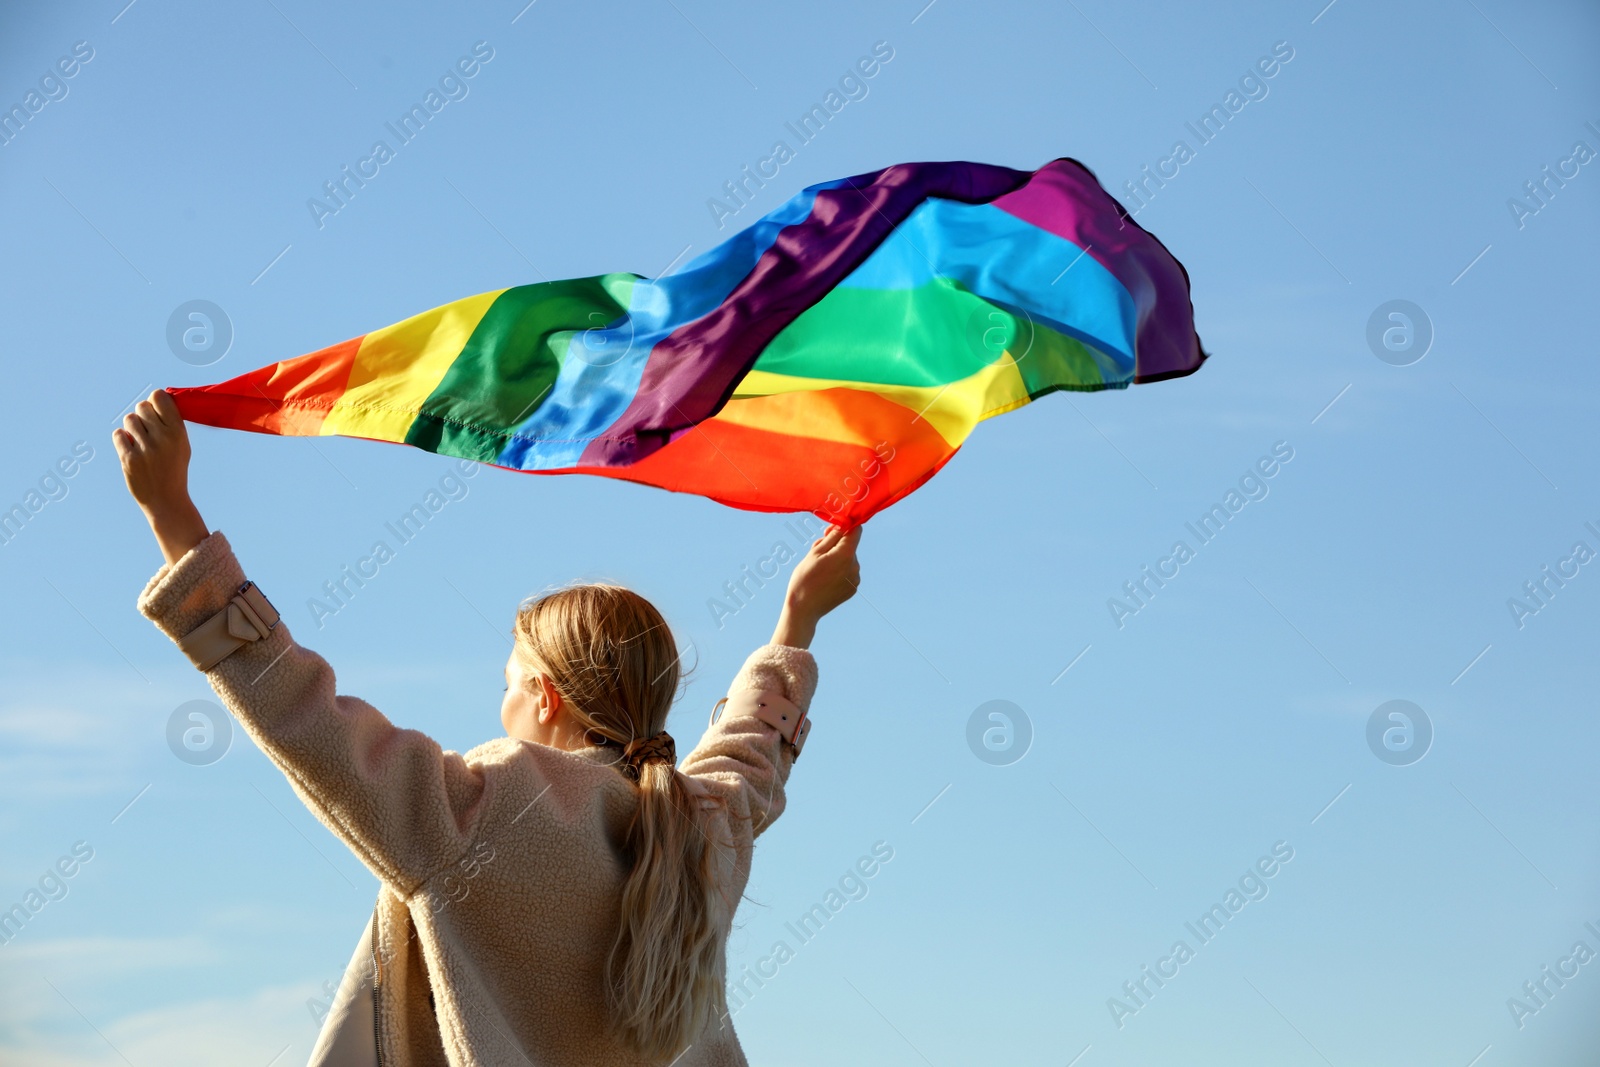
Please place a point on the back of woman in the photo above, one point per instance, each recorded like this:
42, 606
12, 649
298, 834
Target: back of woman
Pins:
569, 900
560, 895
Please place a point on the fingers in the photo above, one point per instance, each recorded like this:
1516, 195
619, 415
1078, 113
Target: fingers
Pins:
847, 548
839, 541
159, 419
829, 538
153, 423
135, 428
165, 407
836, 543
122, 441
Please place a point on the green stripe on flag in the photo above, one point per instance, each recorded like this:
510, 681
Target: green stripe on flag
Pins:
929, 336
509, 365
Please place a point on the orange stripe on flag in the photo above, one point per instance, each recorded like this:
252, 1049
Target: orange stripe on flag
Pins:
291, 398
758, 469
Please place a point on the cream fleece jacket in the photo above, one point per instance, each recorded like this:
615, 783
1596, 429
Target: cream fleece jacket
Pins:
502, 868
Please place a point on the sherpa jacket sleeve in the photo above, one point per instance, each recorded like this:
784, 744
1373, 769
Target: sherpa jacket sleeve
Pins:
741, 758
403, 805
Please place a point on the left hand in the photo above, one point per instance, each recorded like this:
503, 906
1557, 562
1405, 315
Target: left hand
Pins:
153, 445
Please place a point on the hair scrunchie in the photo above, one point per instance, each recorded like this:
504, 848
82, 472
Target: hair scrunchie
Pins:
639, 753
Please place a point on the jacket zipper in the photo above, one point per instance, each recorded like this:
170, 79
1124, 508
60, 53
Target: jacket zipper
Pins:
377, 981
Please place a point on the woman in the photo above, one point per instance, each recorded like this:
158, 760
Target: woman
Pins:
560, 895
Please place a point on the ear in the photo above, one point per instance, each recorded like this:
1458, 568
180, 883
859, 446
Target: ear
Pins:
549, 702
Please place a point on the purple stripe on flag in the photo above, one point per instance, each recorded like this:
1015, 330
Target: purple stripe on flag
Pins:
1064, 198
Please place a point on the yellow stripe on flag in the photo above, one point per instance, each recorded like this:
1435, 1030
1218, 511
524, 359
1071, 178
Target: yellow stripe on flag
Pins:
953, 409
399, 366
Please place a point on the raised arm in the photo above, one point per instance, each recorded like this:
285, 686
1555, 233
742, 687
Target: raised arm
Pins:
404, 806
741, 757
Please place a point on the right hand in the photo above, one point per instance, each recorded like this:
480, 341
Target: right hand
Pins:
827, 577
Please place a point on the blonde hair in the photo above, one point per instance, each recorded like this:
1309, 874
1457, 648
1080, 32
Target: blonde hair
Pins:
610, 655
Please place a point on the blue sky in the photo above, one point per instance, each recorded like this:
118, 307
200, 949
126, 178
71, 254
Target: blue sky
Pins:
1227, 716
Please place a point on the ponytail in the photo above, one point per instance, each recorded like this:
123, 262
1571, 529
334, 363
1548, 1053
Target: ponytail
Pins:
610, 655
667, 969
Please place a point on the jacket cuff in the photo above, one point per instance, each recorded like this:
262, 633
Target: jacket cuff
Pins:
788, 671
184, 594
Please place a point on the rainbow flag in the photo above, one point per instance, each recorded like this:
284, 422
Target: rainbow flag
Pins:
830, 358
